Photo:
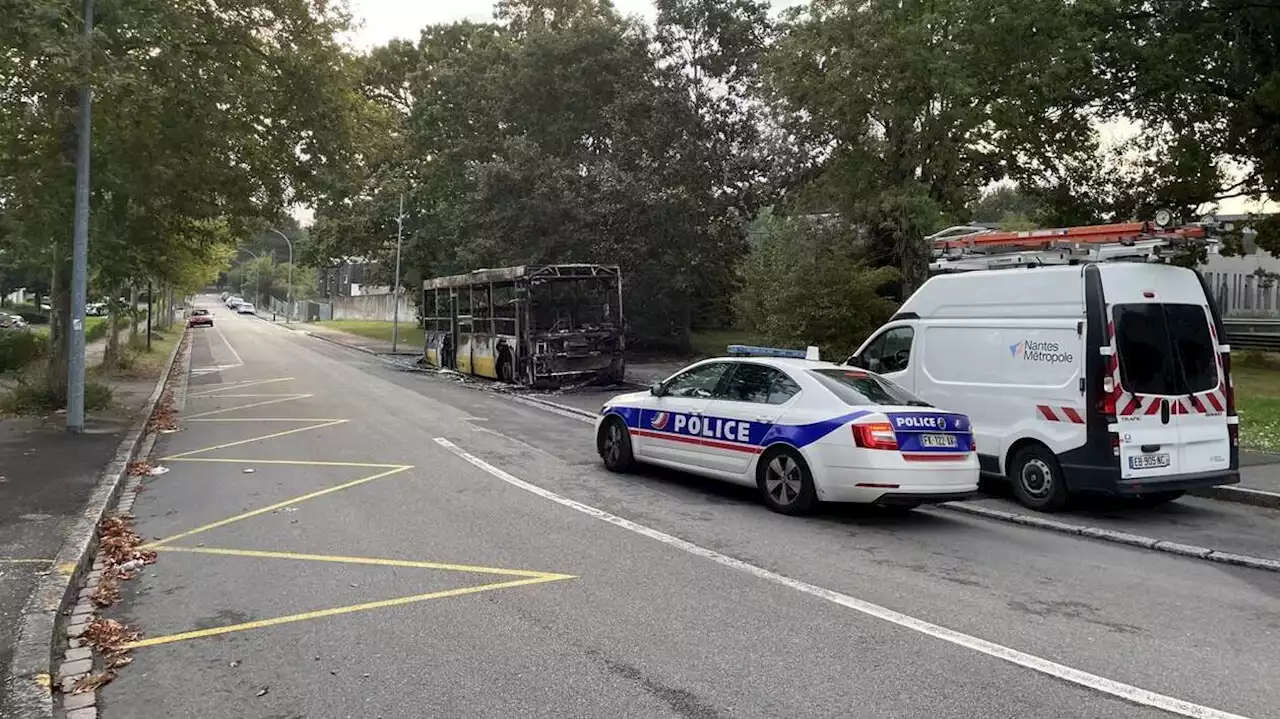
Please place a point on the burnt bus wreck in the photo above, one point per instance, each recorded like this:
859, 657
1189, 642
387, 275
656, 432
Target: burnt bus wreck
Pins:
537, 325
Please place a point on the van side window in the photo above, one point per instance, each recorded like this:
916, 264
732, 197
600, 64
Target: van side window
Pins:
890, 352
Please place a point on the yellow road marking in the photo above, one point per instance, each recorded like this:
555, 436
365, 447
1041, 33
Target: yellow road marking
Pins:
297, 462
225, 386
285, 398
376, 561
254, 439
4, 560
278, 505
215, 631
44, 680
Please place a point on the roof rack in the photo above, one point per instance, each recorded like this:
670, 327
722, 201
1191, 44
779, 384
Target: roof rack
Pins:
962, 249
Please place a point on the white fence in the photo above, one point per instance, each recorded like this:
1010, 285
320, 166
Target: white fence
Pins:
372, 307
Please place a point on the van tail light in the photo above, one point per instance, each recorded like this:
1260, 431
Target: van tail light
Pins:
1115, 445
1107, 405
875, 435
973, 444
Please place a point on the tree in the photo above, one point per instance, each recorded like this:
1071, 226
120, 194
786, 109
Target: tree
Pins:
562, 134
903, 110
207, 119
806, 283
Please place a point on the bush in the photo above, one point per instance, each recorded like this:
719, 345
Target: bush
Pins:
19, 349
806, 283
39, 398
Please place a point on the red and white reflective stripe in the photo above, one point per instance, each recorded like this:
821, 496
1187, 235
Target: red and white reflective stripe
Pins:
1060, 414
1207, 403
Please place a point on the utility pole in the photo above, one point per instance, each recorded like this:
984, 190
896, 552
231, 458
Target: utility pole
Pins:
80, 241
150, 294
395, 285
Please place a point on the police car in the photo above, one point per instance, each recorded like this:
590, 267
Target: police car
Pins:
798, 429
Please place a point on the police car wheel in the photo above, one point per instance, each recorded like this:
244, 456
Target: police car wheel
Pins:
785, 482
614, 445
1037, 479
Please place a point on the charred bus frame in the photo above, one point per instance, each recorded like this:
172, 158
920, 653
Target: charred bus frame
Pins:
539, 325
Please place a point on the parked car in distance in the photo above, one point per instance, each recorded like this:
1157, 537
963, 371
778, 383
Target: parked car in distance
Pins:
12, 322
245, 308
96, 309
200, 318
234, 301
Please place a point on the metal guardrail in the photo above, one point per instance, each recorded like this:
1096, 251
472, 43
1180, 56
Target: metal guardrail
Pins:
1261, 333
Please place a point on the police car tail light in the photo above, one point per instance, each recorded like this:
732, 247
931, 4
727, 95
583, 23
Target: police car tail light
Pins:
874, 435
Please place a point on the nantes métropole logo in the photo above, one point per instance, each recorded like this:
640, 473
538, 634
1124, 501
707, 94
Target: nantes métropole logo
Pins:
1040, 351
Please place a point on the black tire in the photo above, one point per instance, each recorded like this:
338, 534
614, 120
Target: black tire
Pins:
785, 482
1154, 499
506, 369
1037, 479
613, 442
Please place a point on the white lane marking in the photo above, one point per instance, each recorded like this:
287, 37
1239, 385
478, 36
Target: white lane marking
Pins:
239, 361
1127, 692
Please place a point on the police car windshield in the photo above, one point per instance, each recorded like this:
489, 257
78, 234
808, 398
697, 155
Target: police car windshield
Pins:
856, 387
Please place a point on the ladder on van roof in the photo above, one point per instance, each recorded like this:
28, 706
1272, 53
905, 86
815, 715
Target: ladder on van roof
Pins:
964, 248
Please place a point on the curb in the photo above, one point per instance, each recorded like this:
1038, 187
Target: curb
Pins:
1240, 495
563, 410
1110, 535
28, 692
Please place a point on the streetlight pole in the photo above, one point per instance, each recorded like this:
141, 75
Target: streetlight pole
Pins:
395, 285
80, 243
289, 309
256, 281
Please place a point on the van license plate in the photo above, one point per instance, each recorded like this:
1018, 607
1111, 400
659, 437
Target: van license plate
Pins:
1149, 461
947, 441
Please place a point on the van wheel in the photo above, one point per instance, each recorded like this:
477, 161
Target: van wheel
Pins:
785, 482
1037, 479
614, 445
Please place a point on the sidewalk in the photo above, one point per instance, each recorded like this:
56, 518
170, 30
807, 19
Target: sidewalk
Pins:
46, 478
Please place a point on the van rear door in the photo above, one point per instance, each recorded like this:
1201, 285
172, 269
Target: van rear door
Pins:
1171, 405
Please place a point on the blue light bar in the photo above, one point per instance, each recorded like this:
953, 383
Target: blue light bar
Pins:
749, 351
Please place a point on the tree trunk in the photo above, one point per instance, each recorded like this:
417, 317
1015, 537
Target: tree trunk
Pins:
111, 356
133, 308
59, 323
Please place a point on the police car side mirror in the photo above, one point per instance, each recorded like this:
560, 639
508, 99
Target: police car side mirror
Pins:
655, 389
854, 361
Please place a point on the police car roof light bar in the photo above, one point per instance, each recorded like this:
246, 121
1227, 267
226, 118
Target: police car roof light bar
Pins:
752, 351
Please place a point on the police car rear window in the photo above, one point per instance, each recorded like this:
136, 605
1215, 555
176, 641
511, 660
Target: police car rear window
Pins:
856, 387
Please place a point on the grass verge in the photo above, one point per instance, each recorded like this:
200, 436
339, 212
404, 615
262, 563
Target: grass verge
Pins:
1257, 383
411, 336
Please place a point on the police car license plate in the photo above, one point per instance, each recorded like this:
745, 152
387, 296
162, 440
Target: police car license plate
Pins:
1149, 461
938, 441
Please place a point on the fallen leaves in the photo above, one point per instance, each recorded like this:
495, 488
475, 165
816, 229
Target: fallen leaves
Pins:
108, 590
118, 546
91, 682
164, 418
139, 469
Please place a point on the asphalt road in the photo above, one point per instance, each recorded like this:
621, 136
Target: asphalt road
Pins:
356, 572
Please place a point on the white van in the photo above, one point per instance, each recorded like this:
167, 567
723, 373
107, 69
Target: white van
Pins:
1100, 377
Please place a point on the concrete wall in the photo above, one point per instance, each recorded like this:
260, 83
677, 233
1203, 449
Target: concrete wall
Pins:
373, 307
